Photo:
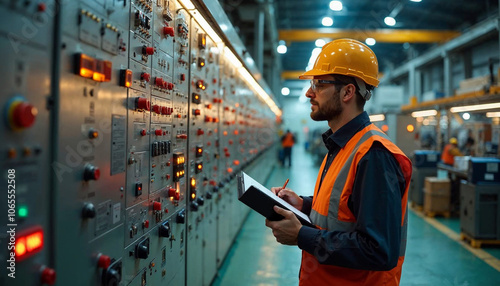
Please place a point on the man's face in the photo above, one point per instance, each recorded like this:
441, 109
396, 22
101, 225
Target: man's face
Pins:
325, 99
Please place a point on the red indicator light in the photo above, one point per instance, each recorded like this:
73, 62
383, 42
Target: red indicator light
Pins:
126, 78
98, 74
85, 65
28, 242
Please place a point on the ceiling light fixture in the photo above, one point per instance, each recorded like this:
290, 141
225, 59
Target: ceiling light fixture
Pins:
327, 21
370, 41
492, 114
389, 21
377, 117
466, 116
282, 47
424, 113
336, 5
416, 0
475, 107
285, 91
320, 43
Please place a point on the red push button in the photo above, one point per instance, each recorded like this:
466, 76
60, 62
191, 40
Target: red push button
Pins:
150, 51
142, 103
104, 261
41, 7
48, 276
171, 192
145, 224
182, 136
159, 81
200, 131
91, 173
143, 132
157, 109
157, 206
170, 86
158, 132
145, 76
168, 31
164, 110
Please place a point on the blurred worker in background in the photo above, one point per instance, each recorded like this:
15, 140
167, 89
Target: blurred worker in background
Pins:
450, 151
287, 142
360, 200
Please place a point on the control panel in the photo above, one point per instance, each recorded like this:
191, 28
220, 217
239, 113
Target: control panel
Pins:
124, 124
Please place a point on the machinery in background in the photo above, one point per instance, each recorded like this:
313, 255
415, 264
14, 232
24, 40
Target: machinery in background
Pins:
125, 123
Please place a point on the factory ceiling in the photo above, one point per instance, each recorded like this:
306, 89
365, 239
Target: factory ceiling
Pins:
420, 25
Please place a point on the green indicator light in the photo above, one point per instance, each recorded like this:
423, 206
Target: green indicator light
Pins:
23, 211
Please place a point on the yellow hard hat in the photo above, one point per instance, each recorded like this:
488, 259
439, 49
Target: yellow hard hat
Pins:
346, 57
453, 140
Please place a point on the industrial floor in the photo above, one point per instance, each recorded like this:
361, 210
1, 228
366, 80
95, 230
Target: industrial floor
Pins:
434, 256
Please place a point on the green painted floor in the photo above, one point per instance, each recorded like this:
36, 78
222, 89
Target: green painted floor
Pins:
432, 258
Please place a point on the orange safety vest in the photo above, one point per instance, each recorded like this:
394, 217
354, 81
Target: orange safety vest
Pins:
446, 156
288, 140
330, 211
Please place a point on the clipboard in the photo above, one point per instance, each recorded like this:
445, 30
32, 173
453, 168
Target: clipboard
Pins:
262, 200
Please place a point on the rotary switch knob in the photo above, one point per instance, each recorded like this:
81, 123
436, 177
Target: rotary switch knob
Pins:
91, 173
165, 229
88, 211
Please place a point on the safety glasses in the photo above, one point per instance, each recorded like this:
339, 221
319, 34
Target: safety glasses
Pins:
318, 84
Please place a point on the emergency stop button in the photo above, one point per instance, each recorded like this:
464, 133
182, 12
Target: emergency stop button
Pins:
20, 113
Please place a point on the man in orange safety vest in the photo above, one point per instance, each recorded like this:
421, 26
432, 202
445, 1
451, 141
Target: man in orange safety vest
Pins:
359, 204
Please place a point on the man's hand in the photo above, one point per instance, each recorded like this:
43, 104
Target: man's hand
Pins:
289, 196
286, 230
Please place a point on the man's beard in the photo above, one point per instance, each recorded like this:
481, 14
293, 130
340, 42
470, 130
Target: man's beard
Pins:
329, 110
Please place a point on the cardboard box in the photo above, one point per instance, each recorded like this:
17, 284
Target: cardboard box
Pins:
437, 194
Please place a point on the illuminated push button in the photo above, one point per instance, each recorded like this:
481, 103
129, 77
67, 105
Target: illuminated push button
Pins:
48, 276
157, 206
103, 261
142, 103
93, 134
91, 173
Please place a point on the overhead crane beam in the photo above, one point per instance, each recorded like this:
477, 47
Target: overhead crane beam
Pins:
380, 35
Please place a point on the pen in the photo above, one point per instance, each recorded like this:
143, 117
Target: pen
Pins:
286, 182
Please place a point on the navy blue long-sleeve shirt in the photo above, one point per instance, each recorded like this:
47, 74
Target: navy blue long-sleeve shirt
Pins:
375, 202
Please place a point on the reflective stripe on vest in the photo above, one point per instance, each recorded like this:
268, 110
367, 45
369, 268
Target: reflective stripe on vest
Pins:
331, 220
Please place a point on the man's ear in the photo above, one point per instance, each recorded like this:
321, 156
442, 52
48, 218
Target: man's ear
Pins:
350, 92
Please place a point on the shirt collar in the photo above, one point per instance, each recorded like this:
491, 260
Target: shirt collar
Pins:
345, 133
